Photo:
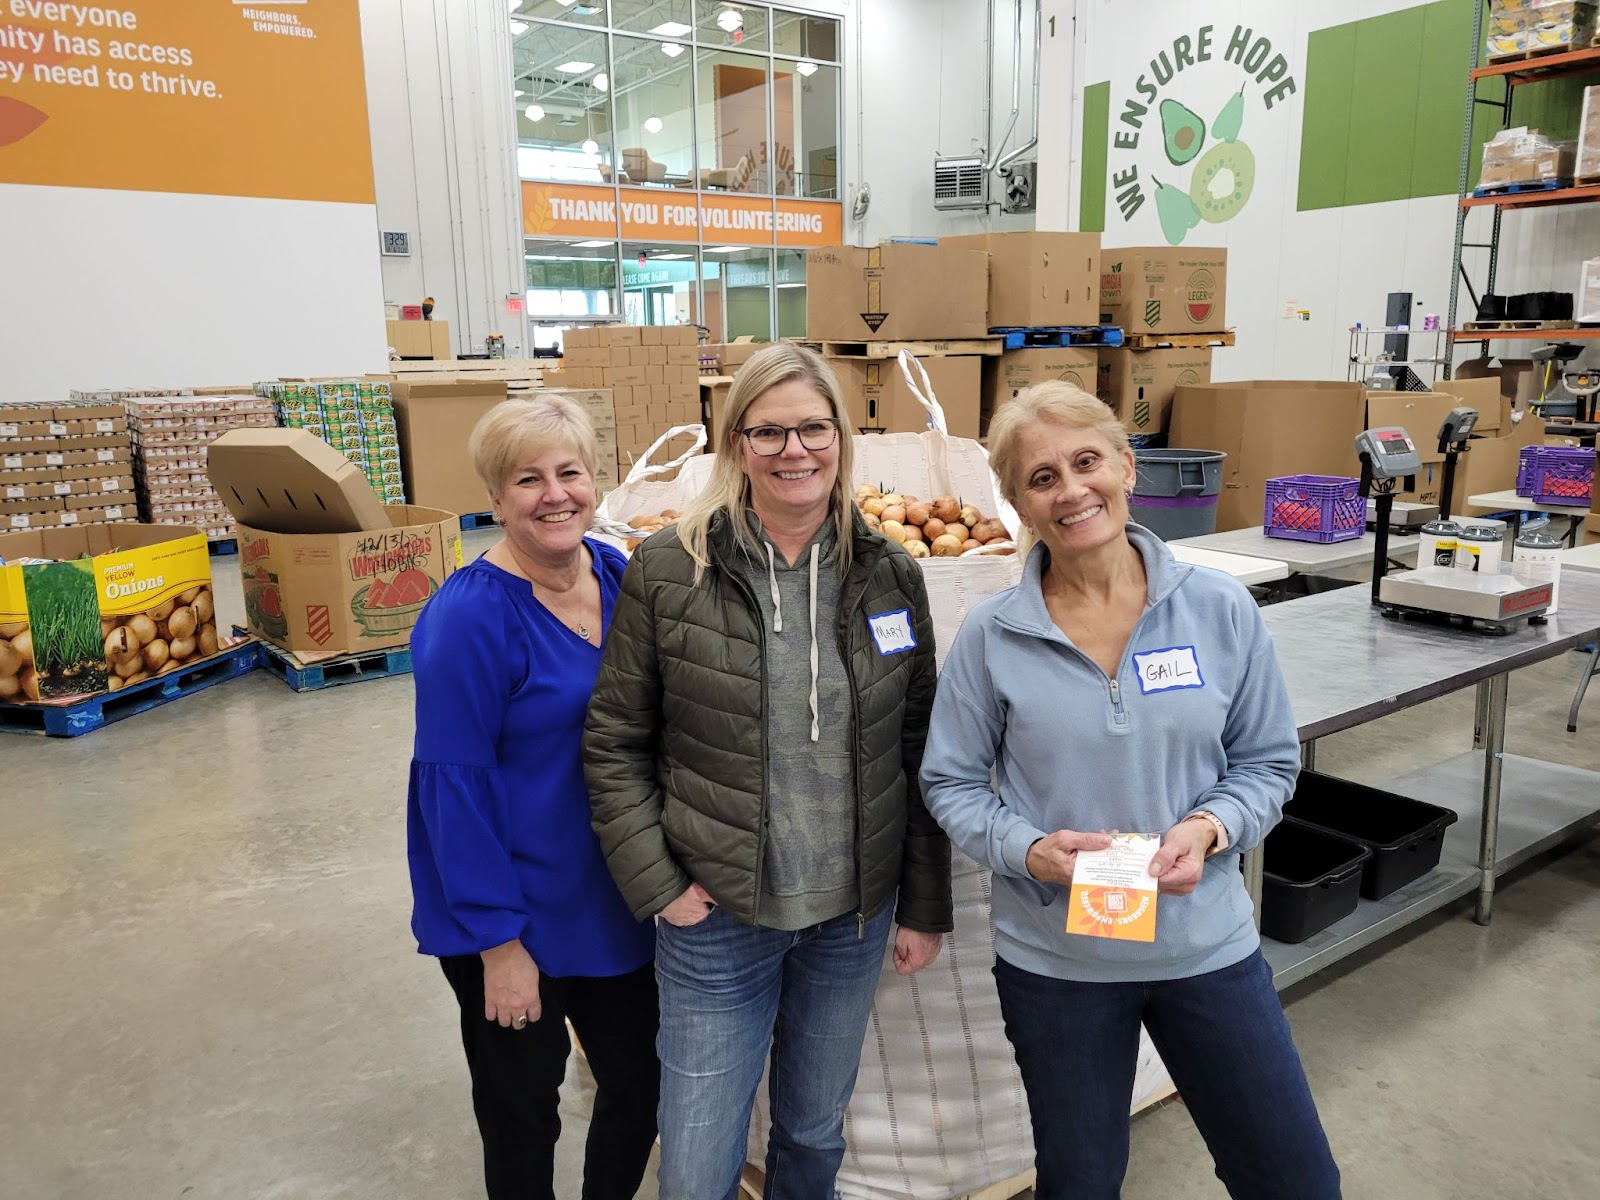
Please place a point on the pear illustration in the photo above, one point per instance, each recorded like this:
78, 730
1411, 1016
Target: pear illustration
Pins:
1183, 131
1231, 118
1177, 210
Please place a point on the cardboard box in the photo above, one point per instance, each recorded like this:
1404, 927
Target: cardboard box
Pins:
326, 569
1421, 414
1007, 374
1589, 532
1268, 429
1164, 289
878, 399
1524, 155
1039, 279
1138, 385
1483, 394
420, 339
435, 417
140, 578
894, 293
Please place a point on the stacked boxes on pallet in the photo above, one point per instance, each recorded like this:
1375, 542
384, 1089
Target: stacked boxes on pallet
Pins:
172, 434
65, 464
355, 417
652, 373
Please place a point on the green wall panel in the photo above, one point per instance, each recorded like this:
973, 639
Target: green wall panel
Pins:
1325, 126
1096, 145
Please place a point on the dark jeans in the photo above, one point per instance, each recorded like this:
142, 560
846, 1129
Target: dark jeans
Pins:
516, 1075
1225, 1042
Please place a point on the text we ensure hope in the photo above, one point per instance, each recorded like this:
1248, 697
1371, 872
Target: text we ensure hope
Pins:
686, 216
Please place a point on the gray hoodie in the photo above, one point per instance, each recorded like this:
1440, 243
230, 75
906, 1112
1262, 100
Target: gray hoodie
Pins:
1030, 736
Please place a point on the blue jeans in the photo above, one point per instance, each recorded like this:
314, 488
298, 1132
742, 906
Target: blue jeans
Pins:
1225, 1042
731, 994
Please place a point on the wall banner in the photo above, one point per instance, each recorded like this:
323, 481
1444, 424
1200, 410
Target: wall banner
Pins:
578, 210
259, 98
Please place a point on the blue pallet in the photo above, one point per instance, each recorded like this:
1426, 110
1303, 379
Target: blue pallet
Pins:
476, 521
1517, 189
224, 546
1062, 335
85, 716
352, 668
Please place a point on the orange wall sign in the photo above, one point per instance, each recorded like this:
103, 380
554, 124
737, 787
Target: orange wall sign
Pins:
222, 97
578, 210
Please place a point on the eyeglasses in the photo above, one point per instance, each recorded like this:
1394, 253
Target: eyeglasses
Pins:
771, 440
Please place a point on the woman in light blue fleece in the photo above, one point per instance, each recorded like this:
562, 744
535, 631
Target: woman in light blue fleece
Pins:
1117, 689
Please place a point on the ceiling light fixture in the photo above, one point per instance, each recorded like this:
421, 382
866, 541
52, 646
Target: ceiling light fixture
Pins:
672, 49
534, 112
590, 146
594, 245
673, 29
726, 249
602, 82
652, 124
729, 20
806, 68
670, 257
575, 67
518, 28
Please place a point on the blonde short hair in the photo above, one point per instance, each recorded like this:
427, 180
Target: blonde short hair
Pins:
1054, 401
728, 489
514, 431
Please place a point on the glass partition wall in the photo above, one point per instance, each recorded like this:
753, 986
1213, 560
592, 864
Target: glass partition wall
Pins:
665, 148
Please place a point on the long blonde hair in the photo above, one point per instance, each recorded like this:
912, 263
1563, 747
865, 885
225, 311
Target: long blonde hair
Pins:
728, 489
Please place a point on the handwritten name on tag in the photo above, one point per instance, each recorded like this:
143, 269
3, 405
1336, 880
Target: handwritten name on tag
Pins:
893, 632
1165, 670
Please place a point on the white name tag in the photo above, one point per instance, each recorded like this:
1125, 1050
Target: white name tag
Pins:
893, 632
1164, 670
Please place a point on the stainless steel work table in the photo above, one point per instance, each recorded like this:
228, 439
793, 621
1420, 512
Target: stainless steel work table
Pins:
1306, 558
1346, 664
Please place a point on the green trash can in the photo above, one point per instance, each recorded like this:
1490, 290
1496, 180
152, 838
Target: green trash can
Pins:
1175, 493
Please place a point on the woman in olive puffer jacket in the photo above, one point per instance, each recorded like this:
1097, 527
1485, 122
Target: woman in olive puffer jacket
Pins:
752, 752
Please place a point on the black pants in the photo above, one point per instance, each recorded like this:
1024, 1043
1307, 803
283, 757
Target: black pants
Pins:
516, 1075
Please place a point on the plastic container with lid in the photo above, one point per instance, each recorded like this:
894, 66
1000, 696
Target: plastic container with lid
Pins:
1438, 544
1538, 560
1479, 549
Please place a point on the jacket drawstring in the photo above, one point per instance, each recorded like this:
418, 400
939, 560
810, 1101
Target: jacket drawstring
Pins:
772, 582
816, 729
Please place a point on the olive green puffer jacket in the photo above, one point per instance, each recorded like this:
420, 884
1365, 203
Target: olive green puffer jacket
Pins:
675, 744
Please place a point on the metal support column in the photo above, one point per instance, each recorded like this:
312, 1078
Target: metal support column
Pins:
1493, 749
1480, 714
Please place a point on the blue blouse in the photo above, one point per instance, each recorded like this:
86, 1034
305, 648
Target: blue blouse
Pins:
497, 820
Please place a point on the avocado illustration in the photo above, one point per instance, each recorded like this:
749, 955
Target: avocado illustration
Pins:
1229, 120
1184, 132
1177, 211
1223, 181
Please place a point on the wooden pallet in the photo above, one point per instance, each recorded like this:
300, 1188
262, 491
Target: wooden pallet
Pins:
95, 712
1537, 52
1055, 336
1583, 181
1178, 341
1508, 326
334, 672
930, 349
503, 367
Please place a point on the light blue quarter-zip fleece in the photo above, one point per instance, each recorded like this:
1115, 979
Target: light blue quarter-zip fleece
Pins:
1021, 710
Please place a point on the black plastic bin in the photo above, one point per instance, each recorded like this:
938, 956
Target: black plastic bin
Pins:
1311, 878
1404, 835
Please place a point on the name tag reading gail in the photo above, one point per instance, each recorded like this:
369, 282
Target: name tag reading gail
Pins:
1113, 892
1165, 670
893, 632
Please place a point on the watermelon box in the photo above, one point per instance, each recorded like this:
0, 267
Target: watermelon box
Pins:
1164, 289
327, 568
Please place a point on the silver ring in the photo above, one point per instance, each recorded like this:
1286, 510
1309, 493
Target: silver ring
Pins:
521, 1022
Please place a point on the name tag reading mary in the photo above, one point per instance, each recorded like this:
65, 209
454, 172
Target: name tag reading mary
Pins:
893, 632
1165, 670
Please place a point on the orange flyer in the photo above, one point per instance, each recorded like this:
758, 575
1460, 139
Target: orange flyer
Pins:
1113, 892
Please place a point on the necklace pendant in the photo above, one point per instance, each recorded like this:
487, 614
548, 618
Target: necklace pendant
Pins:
583, 632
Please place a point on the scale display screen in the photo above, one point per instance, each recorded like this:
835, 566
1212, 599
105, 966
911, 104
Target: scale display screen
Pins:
1391, 452
1395, 442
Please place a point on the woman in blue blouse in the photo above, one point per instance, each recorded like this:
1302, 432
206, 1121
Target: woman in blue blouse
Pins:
511, 890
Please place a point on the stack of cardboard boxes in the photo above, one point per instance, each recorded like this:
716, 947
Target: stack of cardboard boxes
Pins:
172, 435
652, 373
355, 417
65, 465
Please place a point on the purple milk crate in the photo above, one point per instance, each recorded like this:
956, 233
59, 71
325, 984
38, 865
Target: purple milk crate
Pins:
1558, 475
1314, 508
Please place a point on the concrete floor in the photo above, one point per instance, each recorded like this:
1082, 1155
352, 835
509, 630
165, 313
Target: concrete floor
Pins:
211, 989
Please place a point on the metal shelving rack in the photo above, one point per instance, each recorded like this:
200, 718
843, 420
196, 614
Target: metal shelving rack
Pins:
1516, 73
1365, 362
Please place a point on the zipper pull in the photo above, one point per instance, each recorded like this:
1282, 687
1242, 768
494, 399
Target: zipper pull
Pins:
861, 926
